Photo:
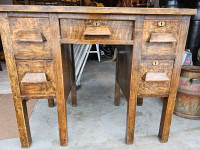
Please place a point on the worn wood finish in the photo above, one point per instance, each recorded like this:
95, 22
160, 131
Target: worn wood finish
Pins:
20, 105
98, 10
168, 105
38, 42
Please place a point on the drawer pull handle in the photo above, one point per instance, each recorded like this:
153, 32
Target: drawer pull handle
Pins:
34, 78
156, 77
155, 63
30, 36
161, 23
162, 38
97, 30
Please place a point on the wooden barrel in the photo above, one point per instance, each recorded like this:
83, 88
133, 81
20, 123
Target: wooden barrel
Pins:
188, 96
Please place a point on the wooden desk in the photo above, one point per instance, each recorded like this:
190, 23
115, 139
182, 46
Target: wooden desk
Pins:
36, 41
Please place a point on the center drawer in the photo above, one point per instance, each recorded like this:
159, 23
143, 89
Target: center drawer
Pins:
96, 30
155, 85
36, 66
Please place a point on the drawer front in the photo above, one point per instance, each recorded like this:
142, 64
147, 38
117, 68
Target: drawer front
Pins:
31, 37
160, 37
36, 66
155, 87
101, 30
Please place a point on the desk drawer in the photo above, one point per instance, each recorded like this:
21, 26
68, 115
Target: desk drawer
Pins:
31, 37
96, 30
156, 86
36, 66
160, 37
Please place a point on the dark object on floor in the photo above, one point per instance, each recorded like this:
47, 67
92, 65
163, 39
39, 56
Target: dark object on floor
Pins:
172, 3
193, 40
188, 95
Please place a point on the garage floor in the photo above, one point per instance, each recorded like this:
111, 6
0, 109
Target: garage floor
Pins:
97, 124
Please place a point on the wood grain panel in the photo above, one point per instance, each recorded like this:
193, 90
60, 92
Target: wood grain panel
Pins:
72, 29
162, 49
33, 25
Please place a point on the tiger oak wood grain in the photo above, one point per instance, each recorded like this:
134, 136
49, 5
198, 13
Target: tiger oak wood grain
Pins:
48, 50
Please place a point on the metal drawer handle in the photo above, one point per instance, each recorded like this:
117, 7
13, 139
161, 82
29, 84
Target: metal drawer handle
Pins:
155, 63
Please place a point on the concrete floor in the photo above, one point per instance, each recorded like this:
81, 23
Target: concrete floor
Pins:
97, 124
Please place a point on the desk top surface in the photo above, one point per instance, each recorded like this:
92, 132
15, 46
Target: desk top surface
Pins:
97, 10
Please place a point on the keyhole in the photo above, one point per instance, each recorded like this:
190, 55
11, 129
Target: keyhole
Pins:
155, 63
161, 23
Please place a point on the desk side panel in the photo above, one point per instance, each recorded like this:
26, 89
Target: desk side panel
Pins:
124, 68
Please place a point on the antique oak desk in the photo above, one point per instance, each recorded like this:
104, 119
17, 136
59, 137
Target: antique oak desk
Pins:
39, 57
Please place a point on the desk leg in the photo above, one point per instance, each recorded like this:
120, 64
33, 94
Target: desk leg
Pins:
59, 75
167, 112
19, 104
117, 88
135, 58
139, 101
73, 91
51, 102
169, 103
23, 124
130, 123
